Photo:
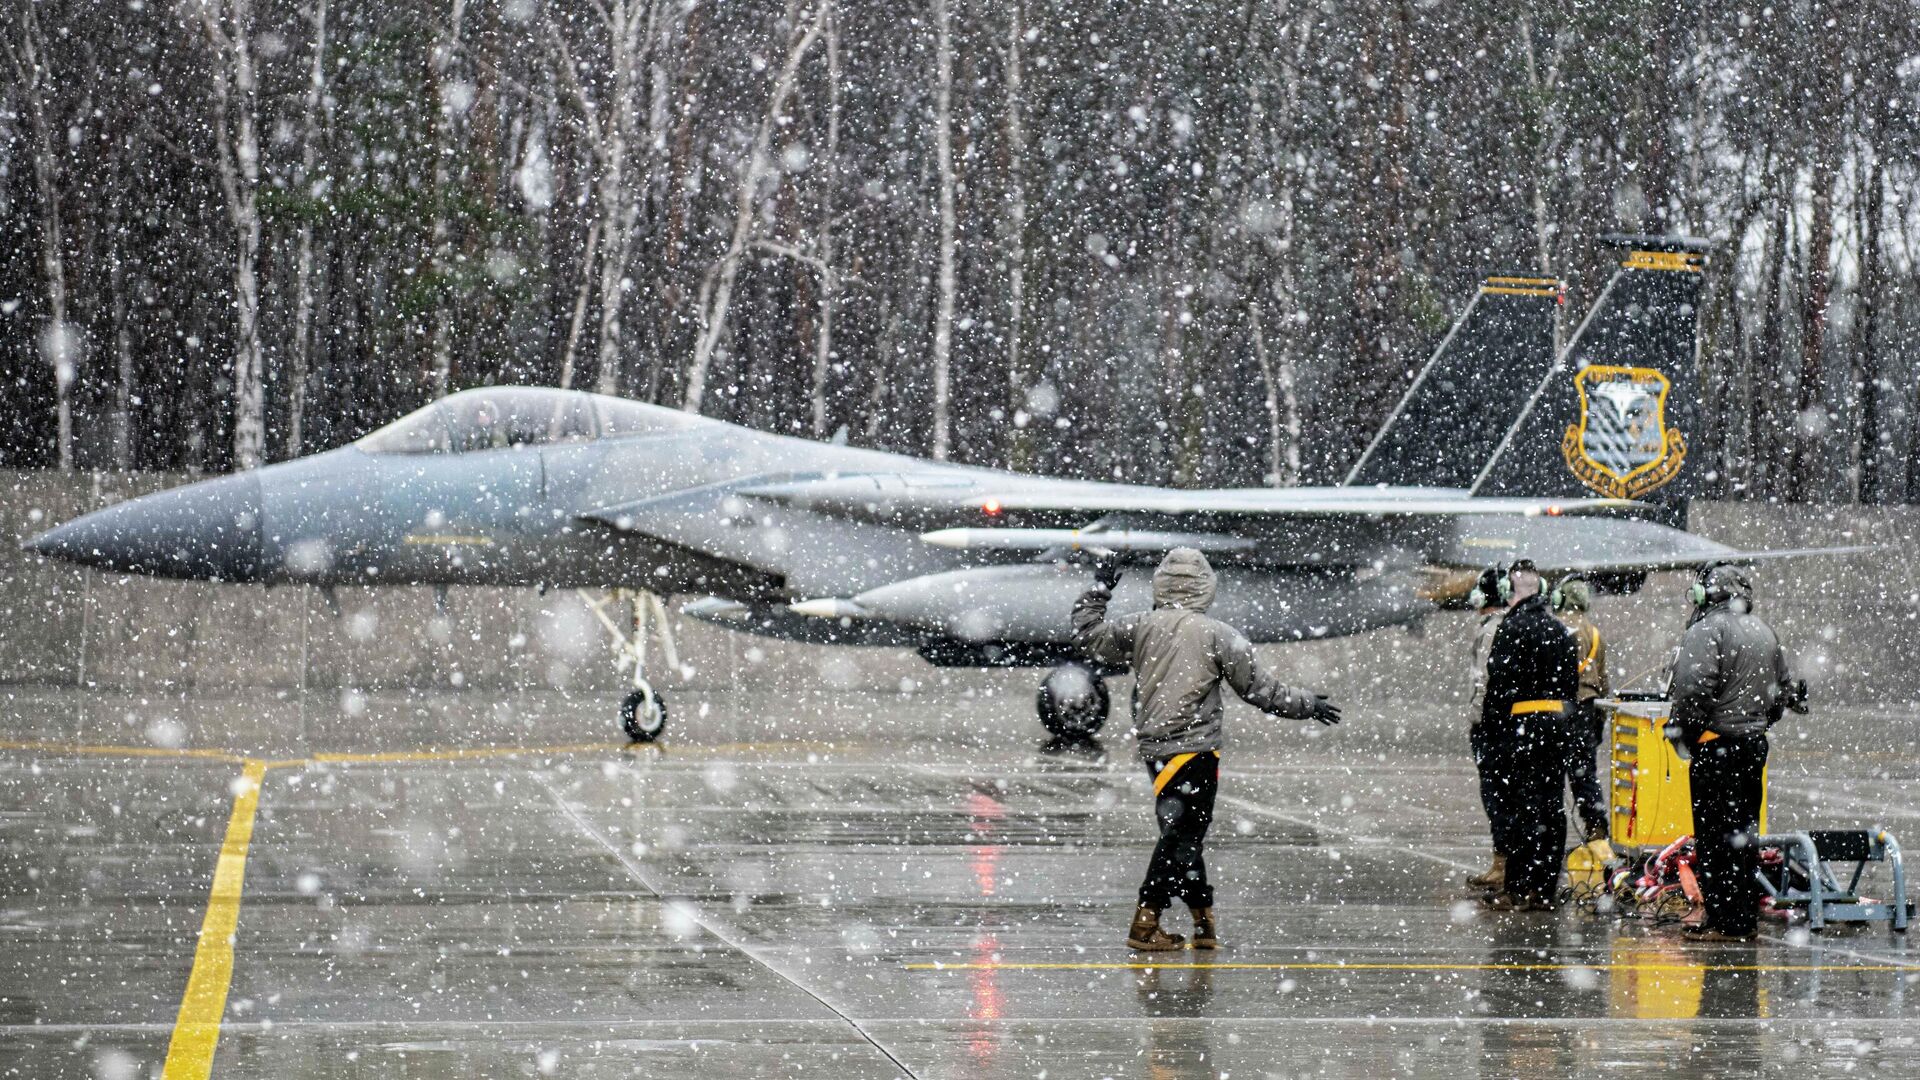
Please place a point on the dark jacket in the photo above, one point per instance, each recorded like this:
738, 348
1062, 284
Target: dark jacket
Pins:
1180, 657
1728, 674
1534, 658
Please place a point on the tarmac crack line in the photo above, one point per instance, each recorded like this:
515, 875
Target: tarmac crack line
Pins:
639, 874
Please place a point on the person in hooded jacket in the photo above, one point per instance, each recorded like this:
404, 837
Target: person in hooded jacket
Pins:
1180, 657
1728, 684
1533, 680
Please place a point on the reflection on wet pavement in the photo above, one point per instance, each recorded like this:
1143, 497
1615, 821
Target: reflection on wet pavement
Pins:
901, 887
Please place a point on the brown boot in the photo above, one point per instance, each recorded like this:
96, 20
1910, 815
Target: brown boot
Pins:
1494, 878
1203, 932
1146, 936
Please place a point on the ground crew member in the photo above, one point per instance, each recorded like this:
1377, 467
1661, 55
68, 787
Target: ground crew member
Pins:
1571, 599
1180, 657
1728, 684
1489, 605
1533, 680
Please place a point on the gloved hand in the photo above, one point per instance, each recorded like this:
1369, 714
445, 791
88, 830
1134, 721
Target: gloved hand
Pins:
1106, 573
1325, 711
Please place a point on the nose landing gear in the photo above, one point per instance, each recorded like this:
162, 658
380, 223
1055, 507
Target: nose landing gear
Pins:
1073, 702
643, 715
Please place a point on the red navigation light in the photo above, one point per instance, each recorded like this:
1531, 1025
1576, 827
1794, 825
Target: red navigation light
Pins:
1553, 511
991, 507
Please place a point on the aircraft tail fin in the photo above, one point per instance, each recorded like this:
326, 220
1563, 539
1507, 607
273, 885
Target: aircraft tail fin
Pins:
1614, 413
1454, 415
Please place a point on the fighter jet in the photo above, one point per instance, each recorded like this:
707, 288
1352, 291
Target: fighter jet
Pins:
1500, 448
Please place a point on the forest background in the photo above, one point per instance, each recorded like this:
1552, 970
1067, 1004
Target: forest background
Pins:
1199, 243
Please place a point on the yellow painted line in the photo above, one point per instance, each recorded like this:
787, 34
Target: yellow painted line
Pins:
1507, 290
463, 755
402, 756
1209, 965
124, 751
196, 1032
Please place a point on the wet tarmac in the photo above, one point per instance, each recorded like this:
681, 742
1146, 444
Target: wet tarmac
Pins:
846, 885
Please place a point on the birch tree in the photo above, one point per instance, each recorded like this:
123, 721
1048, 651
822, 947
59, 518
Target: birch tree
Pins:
943, 155
1019, 451
59, 341
311, 189
612, 127
829, 277
716, 294
227, 26
454, 99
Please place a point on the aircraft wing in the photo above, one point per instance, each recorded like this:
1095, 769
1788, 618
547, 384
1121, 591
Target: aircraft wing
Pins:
961, 498
1696, 560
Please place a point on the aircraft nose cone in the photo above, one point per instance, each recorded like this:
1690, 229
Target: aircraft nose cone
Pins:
204, 531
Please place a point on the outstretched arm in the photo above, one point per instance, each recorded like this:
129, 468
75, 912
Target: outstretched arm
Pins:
1260, 689
1101, 639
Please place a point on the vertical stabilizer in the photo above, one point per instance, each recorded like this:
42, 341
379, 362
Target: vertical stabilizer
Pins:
1617, 411
1450, 420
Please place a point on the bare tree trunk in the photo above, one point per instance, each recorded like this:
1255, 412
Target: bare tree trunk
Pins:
1803, 462
60, 340
943, 153
829, 278
718, 298
1270, 379
1868, 351
1020, 451
122, 354
1774, 261
590, 250
303, 300
443, 151
1543, 82
613, 128
228, 25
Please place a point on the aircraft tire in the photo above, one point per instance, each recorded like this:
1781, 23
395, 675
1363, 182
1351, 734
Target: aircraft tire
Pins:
1073, 702
643, 715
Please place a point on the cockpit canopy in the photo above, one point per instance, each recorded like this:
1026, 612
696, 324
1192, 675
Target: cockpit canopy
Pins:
501, 416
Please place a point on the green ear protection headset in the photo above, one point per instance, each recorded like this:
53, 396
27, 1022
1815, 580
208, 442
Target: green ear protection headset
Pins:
1500, 586
1506, 578
1698, 591
1557, 597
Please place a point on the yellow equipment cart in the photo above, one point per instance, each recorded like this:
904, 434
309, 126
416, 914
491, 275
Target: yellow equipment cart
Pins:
1650, 803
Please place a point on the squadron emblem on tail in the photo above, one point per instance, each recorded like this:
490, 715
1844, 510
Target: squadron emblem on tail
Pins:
1622, 447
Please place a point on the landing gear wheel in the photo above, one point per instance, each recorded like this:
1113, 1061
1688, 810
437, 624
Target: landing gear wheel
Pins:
643, 715
1072, 702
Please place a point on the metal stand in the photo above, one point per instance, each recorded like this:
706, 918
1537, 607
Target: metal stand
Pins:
1810, 854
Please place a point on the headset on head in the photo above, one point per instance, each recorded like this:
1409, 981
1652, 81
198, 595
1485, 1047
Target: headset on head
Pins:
1557, 597
1699, 594
1502, 583
1503, 588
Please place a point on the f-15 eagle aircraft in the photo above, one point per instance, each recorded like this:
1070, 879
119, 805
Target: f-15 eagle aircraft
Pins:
818, 542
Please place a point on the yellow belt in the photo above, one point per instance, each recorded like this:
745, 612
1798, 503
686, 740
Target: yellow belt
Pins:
1521, 708
1172, 767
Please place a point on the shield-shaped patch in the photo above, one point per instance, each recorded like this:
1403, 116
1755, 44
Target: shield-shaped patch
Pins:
1622, 446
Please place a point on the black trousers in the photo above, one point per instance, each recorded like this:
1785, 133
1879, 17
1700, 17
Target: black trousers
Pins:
1490, 761
1183, 804
1582, 739
1531, 757
1725, 775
